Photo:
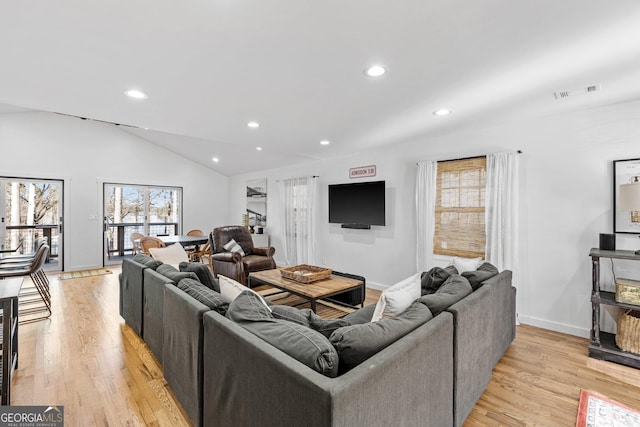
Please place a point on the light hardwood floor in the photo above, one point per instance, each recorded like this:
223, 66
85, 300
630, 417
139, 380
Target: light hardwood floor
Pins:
88, 360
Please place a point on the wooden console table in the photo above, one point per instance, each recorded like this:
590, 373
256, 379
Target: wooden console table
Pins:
603, 344
9, 291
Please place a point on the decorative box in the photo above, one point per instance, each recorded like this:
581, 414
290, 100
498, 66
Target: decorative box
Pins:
304, 273
628, 291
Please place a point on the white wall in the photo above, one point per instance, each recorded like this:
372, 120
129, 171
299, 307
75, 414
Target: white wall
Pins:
566, 201
85, 154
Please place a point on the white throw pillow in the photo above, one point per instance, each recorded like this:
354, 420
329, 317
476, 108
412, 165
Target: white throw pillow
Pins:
172, 255
466, 264
397, 298
233, 246
230, 289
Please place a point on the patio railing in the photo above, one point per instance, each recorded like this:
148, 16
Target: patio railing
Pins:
119, 235
26, 237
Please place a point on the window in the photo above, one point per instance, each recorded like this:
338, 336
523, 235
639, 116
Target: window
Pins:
459, 212
149, 210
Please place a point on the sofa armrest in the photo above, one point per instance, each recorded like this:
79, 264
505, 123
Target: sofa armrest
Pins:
268, 252
248, 382
503, 295
472, 320
484, 323
153, 309
131, 293
182, 349
227, 257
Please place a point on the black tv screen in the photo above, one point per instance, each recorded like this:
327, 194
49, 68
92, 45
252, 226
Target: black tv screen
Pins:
359, 203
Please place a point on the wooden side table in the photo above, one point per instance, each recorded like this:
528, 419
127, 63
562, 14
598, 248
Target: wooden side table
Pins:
9, 291
602, 344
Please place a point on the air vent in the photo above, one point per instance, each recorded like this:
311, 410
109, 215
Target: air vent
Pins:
576, 92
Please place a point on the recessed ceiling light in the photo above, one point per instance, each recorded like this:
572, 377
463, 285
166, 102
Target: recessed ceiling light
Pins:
215, 159
253, 124
325, 142
442, 112
259, 148
136, 94
375, 71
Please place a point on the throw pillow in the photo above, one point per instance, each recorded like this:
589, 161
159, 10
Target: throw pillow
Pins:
299, 342
308, 318
465, 264
453, 290
204, 274
205, 295
431, 280
172, 254
230, 290
397, 298
174, 275
484, 272
356, 343
233, 246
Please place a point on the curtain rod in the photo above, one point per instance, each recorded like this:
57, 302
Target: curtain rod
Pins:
312, 176
466, 158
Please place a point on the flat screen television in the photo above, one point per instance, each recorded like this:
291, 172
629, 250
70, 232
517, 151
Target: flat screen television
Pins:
357, 205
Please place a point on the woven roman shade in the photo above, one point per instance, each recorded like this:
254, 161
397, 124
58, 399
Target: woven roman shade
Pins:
459, 214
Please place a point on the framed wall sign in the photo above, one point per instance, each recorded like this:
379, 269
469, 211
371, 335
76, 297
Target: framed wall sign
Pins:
625, 172
362, 171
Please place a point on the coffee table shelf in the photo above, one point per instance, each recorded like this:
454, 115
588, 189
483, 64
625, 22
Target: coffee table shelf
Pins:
335, 285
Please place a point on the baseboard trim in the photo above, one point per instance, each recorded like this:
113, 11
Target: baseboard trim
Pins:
554, 326
376, 286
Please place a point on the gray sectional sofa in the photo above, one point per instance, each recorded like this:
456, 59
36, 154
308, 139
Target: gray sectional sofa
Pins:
224, 374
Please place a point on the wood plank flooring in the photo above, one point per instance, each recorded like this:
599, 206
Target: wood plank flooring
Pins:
88, 360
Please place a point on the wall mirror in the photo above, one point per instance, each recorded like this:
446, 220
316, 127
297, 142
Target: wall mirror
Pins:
257, 205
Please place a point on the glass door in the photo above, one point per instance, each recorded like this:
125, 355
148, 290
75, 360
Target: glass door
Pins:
128, 209
31, 210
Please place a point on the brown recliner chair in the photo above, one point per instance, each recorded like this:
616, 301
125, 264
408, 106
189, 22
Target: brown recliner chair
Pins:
232, 264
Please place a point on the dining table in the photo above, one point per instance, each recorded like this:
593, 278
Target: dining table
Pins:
184, 240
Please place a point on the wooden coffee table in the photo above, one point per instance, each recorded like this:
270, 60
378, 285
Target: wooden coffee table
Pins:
332, 286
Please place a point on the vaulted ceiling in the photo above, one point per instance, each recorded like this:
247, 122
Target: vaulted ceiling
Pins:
296, 68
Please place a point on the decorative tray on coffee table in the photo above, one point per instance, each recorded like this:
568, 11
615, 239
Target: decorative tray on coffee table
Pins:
304, 273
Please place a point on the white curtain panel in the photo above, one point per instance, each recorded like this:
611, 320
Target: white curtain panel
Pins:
501, 210
426, 177
299, 219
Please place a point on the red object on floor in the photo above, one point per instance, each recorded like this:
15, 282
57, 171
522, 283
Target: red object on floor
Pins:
595, 410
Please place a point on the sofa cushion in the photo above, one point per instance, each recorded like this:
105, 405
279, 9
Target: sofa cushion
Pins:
361, 315
484, 272
205, 295
397, 298
453, 290
147, 260
204, 274
172, 254
233, 246
308, 318
303, 344
231, 289
431, 280
357, 343
170, 272
465, 264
